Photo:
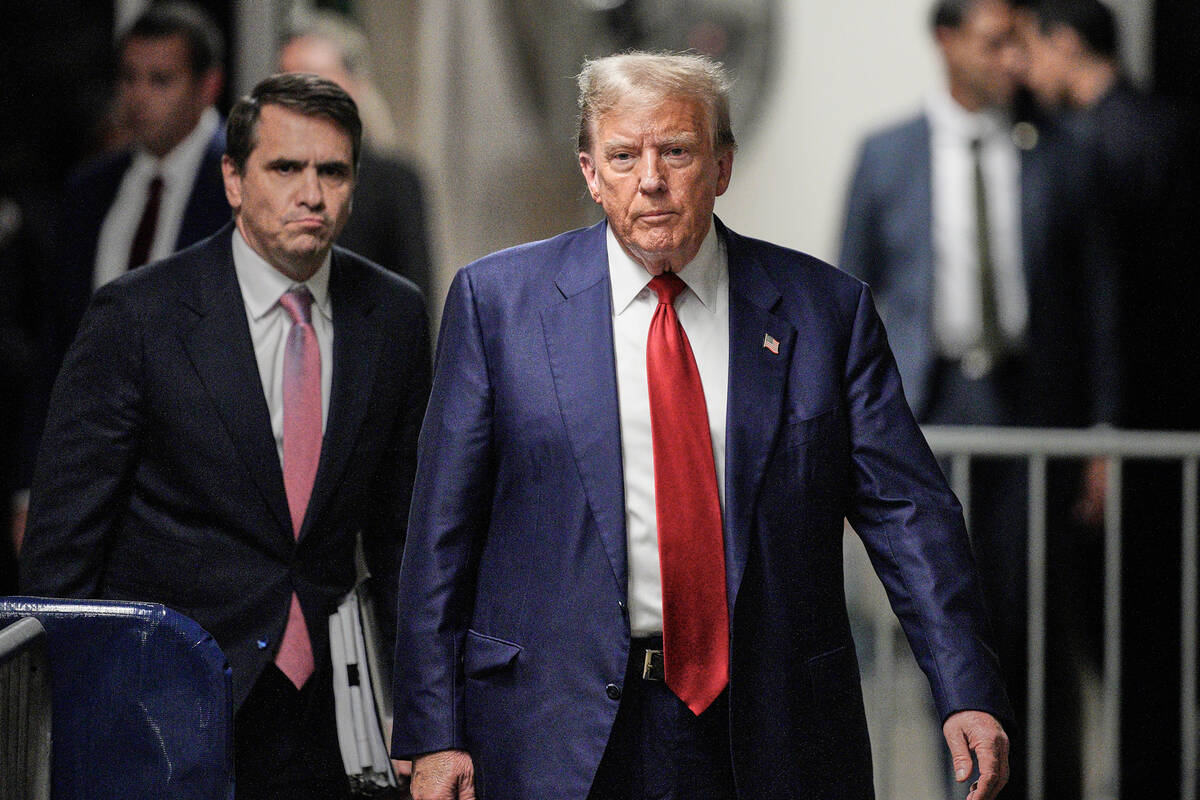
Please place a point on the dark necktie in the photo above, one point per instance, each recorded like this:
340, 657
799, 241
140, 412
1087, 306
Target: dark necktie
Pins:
991, 337
143, 238
301, 453
690, 539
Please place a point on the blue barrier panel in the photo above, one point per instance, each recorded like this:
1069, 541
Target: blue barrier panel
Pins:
142, 701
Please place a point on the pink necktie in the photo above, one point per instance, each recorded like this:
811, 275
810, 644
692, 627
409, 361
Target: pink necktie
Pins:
301, 453
690, 540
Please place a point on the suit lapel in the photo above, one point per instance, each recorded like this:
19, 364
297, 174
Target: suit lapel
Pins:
757, 381
579, 342
355, 353
222, 354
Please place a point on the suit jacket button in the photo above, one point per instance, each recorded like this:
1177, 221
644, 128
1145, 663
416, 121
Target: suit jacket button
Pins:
613, 691
262, 644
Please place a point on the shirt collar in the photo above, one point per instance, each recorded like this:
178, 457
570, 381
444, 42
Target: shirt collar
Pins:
263, 285
947, 117
179, 166
702, 274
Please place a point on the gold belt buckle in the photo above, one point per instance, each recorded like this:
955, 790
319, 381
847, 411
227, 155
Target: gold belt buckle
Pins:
652, 666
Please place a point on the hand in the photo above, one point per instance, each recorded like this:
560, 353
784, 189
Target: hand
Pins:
403, 772
444, 775
1089, 507
980, 733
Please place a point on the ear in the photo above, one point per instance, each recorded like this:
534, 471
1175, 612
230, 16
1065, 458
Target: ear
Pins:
724, 170
233, 183
210, 85
588, 167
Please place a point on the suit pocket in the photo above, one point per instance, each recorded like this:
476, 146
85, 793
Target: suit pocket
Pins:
483, 654
801, 431
834, 677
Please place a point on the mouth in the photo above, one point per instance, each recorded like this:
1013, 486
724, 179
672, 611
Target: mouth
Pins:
655, 217
310, 223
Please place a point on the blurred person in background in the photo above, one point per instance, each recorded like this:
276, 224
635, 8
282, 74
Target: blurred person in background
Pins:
389, 224
1131, 144
965, 227
146, 201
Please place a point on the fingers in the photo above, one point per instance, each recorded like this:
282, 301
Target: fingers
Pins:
444, 775
960, 754
976, 732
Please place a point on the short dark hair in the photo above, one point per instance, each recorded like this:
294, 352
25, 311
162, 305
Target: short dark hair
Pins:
205, 44
950, 13
301, 92
1092, 20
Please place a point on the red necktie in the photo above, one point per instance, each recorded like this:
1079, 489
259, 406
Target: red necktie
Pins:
143, 238
301, 453
690, 540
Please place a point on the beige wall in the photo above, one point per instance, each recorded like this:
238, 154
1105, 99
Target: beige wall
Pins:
498, 176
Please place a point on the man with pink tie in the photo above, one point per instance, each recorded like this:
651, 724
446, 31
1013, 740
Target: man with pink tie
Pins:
229, 422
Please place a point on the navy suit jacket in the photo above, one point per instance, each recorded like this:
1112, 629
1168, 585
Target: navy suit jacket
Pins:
159, 478
514, 625
1069, 375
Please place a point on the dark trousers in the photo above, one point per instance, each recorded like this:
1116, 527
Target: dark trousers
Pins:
660, 750
285, 741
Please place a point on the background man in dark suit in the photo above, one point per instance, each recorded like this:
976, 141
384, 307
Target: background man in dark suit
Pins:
388, 225
1143, 197
160, 194
968, 229
623, 577
231, 419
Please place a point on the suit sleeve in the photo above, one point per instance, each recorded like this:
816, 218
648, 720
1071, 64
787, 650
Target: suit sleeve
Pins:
447, 524
87, 454
383, 541
913, 530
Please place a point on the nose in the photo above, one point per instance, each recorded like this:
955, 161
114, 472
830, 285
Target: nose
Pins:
651, 179
312, 194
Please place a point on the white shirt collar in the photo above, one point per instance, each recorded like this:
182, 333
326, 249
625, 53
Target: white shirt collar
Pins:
702, 274
263, 285
179, 166
947, 117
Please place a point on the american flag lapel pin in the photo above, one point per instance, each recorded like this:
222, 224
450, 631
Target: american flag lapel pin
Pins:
771, 343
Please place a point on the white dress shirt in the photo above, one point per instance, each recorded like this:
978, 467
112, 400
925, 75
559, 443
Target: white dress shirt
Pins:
956, 302
178, 169
262, 285
703, 310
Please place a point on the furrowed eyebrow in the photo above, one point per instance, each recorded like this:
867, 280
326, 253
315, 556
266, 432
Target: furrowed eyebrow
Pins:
285, 162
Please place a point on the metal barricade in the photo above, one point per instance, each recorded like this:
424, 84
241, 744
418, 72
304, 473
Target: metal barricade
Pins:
1037, 447
24, 712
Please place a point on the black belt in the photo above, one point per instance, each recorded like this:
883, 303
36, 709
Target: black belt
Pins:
646, 656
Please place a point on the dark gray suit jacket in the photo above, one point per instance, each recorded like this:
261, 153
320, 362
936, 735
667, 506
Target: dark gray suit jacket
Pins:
1068, 376
159, 479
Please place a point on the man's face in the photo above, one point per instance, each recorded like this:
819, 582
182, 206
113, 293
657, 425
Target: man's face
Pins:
1045, 62
159, 97
293, 197
653, 168
981, 56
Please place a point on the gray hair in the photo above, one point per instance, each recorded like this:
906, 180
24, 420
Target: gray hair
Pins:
605, 82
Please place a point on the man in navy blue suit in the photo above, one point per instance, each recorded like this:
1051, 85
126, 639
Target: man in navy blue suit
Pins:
623, 577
